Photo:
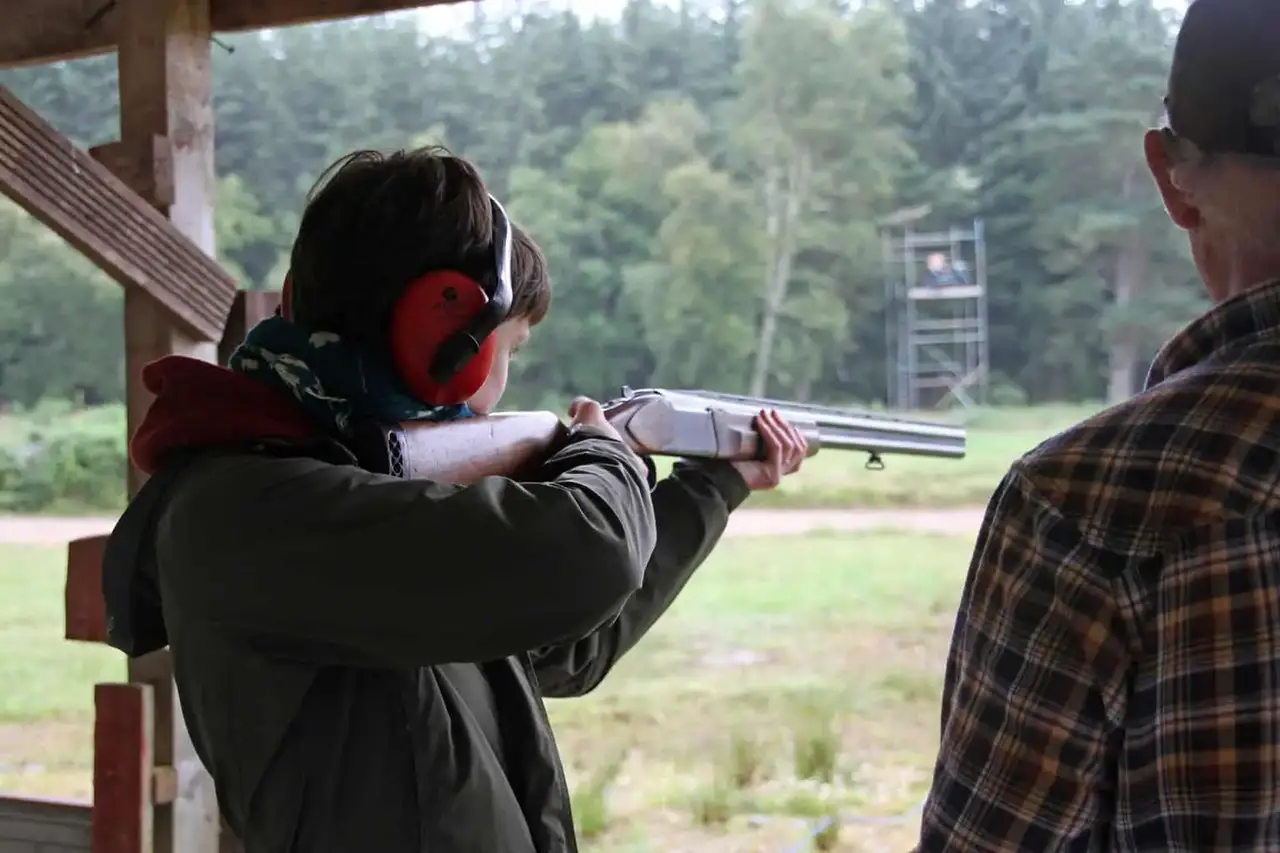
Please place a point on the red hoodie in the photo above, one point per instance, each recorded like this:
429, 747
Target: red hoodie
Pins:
200, 404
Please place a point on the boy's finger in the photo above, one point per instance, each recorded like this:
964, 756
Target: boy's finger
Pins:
770, 435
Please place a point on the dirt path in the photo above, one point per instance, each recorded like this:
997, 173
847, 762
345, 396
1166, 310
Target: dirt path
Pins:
25, 530
792, 522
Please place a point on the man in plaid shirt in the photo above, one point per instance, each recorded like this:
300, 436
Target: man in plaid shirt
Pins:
1114, 676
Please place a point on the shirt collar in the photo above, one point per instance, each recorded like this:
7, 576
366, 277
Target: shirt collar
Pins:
1240, 319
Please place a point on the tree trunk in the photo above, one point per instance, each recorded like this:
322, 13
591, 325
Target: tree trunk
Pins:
783, 206
1130, 270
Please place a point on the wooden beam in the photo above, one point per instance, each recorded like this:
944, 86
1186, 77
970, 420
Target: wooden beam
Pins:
38, 31
241, 15
94, 211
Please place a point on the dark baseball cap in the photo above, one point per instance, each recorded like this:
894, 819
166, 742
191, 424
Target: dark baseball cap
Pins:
1224, 86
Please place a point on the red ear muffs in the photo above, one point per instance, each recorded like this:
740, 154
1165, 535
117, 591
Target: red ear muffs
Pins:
432, 310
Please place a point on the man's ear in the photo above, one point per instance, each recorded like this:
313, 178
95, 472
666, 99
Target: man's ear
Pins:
1176, 201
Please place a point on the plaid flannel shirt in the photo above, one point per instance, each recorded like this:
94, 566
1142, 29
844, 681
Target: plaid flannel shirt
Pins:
1114, 676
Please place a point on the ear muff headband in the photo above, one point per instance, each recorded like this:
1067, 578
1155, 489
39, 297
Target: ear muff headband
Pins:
442, 326
460, 347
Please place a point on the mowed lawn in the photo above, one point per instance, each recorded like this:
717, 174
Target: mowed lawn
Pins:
796, 678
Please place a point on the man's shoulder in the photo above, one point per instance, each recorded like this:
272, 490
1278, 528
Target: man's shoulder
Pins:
1198, 448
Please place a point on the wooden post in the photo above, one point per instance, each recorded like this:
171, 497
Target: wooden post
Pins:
249, 309
123, 821
165, 154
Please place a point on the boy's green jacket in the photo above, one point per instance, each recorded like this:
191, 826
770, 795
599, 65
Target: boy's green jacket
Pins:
361, 660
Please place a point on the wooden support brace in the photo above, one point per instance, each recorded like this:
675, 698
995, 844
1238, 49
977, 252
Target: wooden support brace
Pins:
93, 210
249, 309
86, 611
151, 171
123, 820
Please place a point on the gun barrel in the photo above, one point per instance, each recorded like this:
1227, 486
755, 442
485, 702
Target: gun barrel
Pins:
880, 440
841, 429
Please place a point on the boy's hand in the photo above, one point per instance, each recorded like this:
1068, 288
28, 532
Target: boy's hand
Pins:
784, 452
585, 411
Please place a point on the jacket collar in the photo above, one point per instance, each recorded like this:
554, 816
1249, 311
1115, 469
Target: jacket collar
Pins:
1238, 321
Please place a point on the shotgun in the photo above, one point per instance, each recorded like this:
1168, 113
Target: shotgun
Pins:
654, 422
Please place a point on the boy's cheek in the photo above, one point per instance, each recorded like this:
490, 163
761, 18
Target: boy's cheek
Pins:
486, 399
482, 403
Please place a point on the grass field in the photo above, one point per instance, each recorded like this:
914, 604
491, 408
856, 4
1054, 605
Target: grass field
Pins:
796, 677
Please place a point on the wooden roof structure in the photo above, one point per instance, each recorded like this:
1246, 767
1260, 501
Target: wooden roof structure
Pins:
141, 208
40, 31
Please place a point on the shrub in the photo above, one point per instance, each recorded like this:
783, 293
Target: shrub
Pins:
745, 760
828, 836
712, 805
56, 461
816, 740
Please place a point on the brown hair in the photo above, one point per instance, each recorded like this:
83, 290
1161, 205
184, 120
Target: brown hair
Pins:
374, 222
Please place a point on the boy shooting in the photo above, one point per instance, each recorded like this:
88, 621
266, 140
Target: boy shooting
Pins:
361, 659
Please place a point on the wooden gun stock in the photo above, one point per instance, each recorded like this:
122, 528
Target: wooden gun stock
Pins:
463, 451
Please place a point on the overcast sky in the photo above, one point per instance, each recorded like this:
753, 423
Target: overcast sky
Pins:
450, 16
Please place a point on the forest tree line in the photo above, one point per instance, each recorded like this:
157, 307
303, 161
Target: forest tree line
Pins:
708, 178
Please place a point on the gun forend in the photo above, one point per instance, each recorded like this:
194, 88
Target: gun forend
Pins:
656, 421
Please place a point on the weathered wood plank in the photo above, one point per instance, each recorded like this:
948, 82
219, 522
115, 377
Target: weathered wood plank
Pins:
44, 826
123, 820
96, 213
37, 31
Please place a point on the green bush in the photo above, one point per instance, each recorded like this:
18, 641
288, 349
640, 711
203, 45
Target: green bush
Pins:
58, 461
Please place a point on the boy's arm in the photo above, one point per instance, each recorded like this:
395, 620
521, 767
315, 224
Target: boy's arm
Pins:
692, 507
333, 564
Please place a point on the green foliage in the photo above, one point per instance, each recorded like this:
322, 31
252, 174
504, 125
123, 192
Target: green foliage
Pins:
705, 178
58, 460
61, 322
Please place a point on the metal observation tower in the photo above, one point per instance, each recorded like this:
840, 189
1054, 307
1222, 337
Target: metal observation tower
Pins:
936, 317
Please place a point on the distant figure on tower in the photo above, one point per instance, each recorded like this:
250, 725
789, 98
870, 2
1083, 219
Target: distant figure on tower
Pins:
943, 273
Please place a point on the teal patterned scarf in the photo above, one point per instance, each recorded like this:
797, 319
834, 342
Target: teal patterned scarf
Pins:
337, 384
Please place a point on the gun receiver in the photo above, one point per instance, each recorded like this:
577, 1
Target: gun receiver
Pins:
654, 422
659, 422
